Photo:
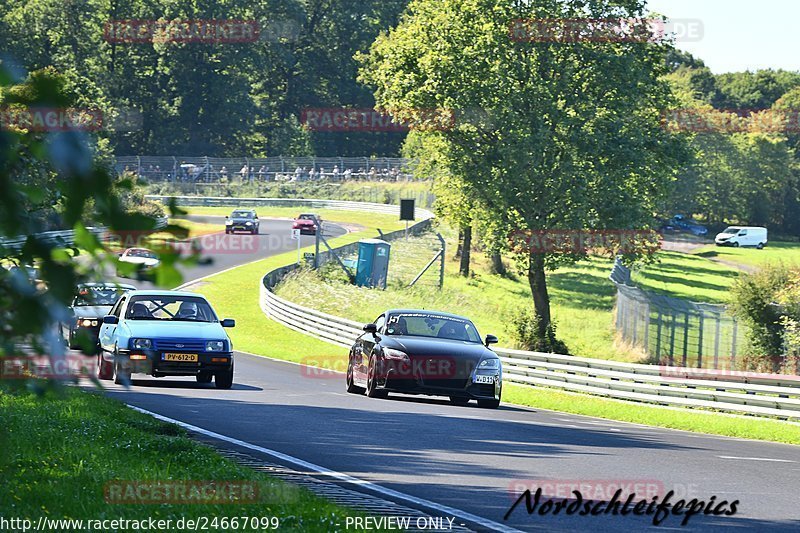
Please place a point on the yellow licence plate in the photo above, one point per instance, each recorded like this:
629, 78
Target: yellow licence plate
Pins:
181, 357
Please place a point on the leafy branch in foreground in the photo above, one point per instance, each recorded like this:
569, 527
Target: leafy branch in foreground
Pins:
56, 180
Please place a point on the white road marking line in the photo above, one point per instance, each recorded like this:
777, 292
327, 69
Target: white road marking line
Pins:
463, 515
766, 459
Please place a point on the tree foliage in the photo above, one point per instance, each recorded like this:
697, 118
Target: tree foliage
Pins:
547, 135
57, 180
204, 98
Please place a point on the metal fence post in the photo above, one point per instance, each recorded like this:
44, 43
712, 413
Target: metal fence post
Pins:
685, 338
717, 334
441, 261
700, 344
658, 335
672, 339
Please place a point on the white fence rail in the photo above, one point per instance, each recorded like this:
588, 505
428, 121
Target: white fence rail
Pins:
64, 237
308, 203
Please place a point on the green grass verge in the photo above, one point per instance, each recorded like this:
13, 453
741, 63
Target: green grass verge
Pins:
58, 453
684, 419
235, 294
687, 276
775, 252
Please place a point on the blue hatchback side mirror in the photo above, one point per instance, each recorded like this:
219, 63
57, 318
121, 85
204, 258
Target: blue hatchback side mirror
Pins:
110, 319
228, 323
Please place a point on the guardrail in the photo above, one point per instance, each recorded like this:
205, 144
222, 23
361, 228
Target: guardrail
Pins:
739, 392
62, 237
309, 203
765, 395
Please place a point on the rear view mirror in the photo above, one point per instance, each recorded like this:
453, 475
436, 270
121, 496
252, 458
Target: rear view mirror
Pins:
228, 323
370, 328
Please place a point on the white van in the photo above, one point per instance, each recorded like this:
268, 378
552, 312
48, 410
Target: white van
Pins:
742, 236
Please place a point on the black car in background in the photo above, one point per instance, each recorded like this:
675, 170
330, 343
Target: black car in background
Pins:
92, 302
242, 220
425, 352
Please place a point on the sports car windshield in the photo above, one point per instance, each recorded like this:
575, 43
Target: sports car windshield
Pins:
97, 296
179, 309
141, 253
431, 325
243, 214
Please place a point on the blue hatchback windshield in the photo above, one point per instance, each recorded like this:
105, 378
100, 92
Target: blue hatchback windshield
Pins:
173, 308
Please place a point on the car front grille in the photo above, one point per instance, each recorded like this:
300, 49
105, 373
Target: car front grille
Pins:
446, 383
483, 389
179, 345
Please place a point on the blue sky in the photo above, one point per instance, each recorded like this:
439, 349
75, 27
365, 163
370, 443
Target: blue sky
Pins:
740, 35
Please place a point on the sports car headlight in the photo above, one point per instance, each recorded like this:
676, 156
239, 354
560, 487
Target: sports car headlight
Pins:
248, 224
87, 322
228, 222
396, 355
141, 344
215, 346
489, 364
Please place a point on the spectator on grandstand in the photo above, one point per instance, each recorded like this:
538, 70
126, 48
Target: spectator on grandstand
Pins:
262, 173
223, 173
243, 172
348, 173
336, 172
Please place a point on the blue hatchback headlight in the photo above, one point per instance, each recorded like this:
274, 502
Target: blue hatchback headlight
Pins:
215, 346
141, 344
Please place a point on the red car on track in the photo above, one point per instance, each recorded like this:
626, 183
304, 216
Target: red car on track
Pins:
306, 223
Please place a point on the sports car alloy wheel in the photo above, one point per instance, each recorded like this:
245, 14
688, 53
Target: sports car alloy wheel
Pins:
351, 387
372, 381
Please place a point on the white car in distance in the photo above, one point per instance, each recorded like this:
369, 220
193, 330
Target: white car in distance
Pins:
143, 258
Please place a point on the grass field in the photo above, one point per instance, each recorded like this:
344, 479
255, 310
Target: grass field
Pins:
235, 294
689, 276
776, 252
60, 452
684, 419
582, 297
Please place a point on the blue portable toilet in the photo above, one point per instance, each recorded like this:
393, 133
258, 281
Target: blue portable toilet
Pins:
373, 263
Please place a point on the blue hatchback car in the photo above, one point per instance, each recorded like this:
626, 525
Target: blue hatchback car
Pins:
165, 333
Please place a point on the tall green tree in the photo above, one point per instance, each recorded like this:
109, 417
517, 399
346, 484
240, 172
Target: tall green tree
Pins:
568, 134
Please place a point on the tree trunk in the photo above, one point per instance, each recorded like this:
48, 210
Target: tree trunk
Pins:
538, 283
466, 246
460, 243
497, 264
